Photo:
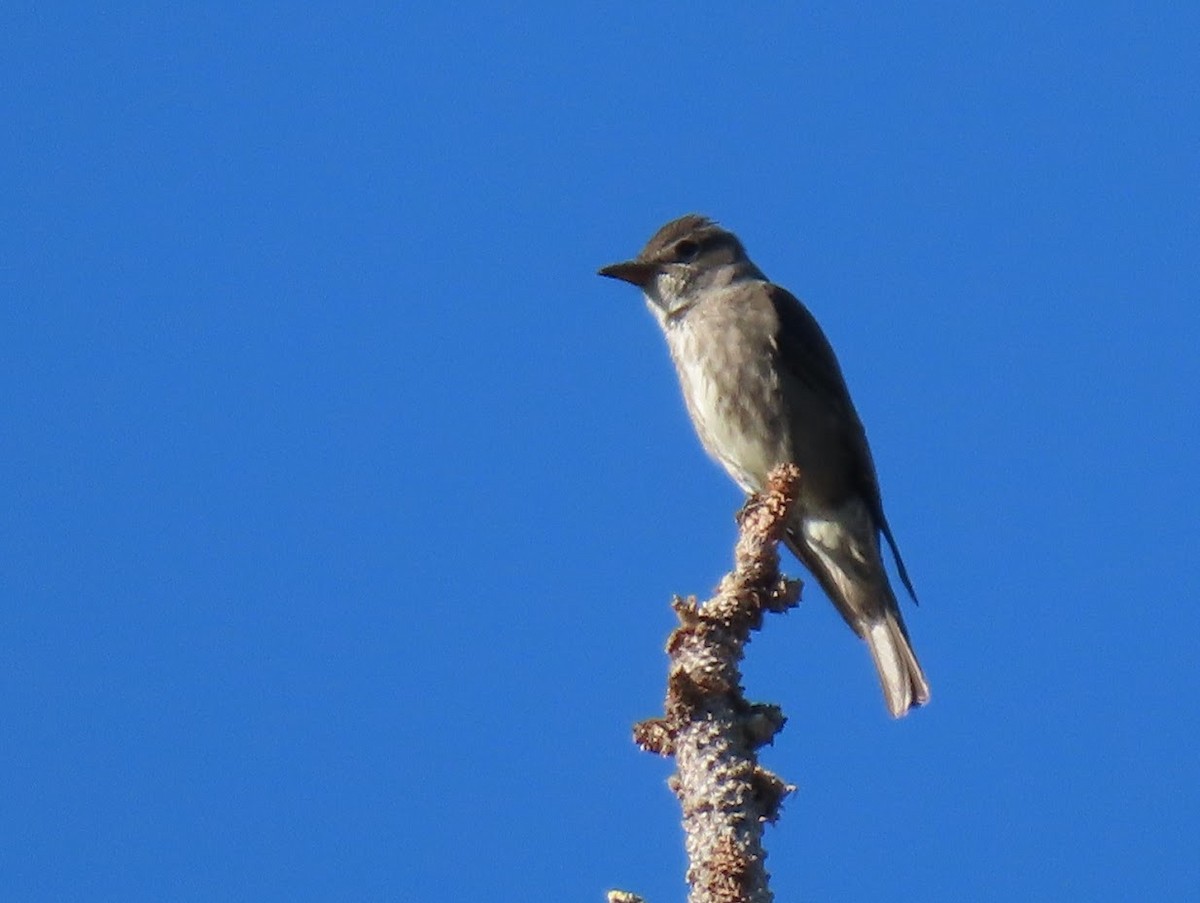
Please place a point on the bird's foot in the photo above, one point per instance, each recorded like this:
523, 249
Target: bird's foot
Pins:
753, 501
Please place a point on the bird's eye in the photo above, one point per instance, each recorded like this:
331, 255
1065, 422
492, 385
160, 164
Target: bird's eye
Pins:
686, 251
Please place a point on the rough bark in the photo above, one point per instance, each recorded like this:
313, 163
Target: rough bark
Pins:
708, 725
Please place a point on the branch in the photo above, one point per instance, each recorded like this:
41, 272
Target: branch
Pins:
708, 725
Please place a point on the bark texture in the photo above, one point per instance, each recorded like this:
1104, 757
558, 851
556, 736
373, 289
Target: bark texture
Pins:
708, 725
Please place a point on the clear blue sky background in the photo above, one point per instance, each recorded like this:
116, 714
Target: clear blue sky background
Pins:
342, 502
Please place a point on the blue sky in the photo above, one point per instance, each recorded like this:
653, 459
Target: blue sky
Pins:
343, 502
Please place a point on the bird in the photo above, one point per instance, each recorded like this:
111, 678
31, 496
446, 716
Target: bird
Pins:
763, 387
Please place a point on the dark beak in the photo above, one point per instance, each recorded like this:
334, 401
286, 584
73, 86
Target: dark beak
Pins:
635, 272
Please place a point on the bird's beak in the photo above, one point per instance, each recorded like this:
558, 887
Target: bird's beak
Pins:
635, 272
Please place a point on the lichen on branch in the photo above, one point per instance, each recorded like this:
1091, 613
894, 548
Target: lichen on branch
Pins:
708, 725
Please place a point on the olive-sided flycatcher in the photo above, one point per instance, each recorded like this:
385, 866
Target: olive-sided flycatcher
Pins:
763, 388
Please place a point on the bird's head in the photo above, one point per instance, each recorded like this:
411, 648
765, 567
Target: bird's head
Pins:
682, 260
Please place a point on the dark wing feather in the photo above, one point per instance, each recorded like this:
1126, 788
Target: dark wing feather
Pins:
809, 359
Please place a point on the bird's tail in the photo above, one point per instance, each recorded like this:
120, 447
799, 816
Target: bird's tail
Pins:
904, 684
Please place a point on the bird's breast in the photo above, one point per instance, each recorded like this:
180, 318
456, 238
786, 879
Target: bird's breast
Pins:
727, 370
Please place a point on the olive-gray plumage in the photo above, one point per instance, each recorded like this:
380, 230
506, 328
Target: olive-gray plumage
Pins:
763, 387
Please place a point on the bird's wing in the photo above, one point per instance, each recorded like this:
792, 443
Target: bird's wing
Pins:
807, 357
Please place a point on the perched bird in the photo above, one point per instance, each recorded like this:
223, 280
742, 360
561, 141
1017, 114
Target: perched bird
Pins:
763, 387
